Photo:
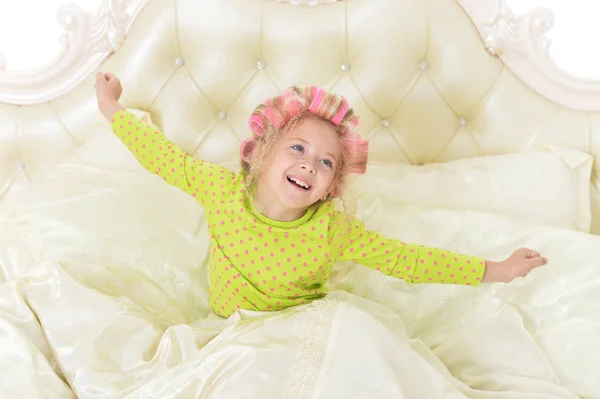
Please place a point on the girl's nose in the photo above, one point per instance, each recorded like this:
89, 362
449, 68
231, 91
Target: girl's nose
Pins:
308, 167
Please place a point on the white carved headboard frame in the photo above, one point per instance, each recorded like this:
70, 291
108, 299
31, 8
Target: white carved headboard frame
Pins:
483, 73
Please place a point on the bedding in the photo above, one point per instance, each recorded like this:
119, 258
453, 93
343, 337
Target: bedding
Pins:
548, 186
103, 267
103, 294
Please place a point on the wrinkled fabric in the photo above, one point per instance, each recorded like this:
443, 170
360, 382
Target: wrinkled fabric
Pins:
104, 294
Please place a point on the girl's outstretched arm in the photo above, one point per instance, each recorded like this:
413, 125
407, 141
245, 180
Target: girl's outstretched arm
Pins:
413, 263
205, 181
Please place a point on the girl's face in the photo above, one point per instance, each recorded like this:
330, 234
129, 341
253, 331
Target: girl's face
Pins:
301, 171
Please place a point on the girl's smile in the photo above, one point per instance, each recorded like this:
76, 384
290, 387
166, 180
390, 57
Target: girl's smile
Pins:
301, 171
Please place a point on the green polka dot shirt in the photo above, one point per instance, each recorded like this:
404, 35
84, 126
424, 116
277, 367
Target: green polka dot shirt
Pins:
262, 264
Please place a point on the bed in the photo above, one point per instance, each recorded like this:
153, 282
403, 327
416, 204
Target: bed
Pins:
479, 144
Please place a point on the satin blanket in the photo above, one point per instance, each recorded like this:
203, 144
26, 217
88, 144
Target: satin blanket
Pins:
103, 294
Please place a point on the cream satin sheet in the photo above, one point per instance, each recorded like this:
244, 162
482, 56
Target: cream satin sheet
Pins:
103, 294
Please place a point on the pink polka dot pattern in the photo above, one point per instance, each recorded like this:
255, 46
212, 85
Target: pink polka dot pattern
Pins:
202, 180
409, 262
261, 264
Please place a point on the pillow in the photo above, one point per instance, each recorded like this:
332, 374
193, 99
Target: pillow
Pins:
101, 151
104, 150
549, 186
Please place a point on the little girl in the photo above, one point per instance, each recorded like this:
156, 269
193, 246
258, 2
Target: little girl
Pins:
274, 232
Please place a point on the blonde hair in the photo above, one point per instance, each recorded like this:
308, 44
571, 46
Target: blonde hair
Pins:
271, 120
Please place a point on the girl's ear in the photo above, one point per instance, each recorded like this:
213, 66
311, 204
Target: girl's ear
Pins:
246, 150
334, 190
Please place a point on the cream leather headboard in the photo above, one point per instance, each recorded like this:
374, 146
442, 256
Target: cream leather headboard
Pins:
433, 81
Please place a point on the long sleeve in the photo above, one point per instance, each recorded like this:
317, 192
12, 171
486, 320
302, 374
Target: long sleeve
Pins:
352, 241
202, 180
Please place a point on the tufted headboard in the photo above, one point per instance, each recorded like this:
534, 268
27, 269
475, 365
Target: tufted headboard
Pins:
432, 81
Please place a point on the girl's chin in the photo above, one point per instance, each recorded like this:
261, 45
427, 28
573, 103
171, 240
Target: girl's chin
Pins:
298, 203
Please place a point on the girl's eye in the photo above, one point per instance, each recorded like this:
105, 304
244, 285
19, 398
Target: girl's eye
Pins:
298, 147
327, 163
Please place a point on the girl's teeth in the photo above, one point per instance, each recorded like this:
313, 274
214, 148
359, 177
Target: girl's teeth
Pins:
299, 183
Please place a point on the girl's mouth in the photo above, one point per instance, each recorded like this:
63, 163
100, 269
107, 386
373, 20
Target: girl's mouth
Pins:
298, 183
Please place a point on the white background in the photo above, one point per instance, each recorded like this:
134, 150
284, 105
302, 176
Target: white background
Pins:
30, 33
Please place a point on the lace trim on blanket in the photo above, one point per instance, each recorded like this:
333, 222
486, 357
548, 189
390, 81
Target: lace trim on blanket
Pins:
315, 325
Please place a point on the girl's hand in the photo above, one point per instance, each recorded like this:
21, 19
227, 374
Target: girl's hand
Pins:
108, 91
519, 264
108, 88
